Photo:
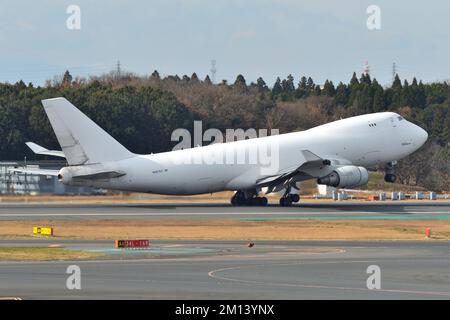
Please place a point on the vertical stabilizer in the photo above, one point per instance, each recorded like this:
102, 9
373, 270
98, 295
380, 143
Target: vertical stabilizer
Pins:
81, 139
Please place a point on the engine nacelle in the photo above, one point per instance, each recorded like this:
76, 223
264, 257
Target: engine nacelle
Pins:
346, 177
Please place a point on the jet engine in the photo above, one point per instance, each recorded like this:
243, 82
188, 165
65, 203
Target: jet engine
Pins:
346, 177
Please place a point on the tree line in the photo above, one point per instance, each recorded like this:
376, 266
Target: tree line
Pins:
142, 111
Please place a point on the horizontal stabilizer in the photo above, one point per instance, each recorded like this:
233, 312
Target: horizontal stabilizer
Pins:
37, 172
43, 151
100, 175
49, 172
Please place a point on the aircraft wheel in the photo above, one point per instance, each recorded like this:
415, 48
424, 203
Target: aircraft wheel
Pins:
238, 199
390, 178
263, 201
285, 202
241, 201
294, 197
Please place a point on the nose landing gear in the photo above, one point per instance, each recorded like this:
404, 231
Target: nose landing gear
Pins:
390, 178
390, 172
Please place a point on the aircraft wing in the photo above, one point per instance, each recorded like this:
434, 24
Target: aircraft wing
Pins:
41, 150
41, 172
310, 161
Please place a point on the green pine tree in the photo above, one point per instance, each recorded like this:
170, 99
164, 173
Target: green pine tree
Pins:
328, 89
240, 81
261, 85
67, 79
341, 96
277, 89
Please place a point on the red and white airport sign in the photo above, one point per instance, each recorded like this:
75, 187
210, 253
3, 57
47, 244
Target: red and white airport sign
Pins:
132, 244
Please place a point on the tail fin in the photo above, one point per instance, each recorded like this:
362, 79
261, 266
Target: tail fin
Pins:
82, 141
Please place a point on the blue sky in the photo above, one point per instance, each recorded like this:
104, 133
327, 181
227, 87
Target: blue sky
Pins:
268, 38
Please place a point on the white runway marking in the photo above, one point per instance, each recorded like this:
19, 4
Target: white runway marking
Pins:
118, 214
213, 274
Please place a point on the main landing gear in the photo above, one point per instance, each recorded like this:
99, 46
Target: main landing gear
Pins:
291, 195
242, 198
390, 172
250, 198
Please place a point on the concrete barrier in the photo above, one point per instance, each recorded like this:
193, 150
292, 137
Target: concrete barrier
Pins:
334, 195
342, 196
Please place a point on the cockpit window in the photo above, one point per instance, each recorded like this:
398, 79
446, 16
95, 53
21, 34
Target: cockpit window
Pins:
400, 118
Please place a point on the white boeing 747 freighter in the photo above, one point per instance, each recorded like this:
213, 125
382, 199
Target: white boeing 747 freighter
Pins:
336, 154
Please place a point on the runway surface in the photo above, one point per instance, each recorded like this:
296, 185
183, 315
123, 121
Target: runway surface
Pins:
348, 210
231, 270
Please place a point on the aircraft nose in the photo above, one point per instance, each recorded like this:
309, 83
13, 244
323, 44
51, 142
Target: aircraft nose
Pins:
421, 136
